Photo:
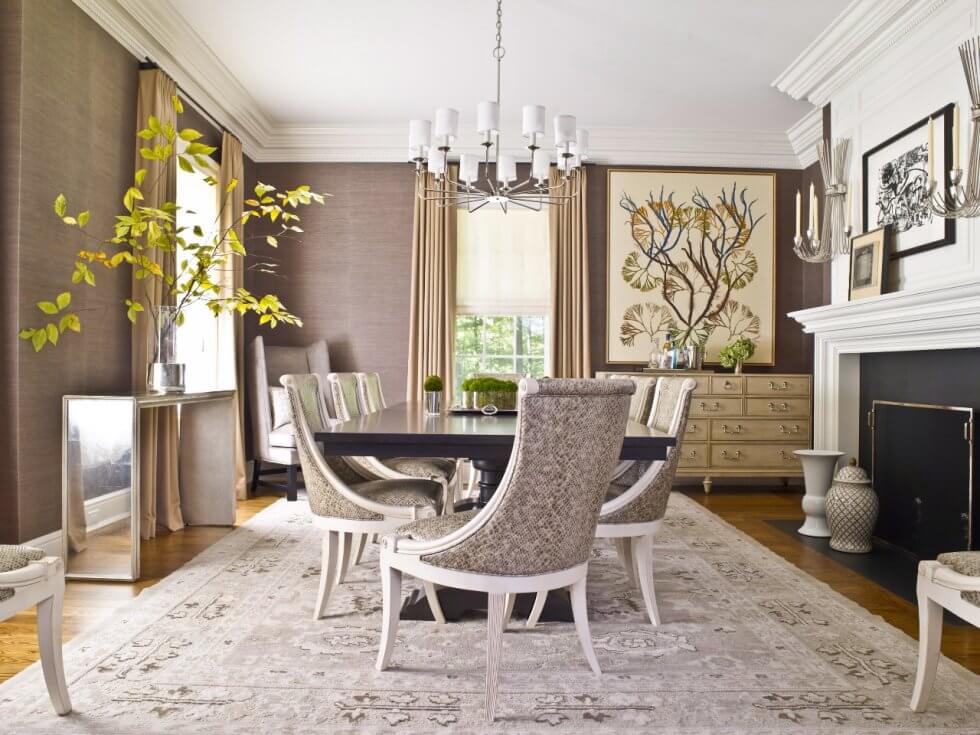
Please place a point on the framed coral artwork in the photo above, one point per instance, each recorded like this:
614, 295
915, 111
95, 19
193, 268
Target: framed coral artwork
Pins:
690, 254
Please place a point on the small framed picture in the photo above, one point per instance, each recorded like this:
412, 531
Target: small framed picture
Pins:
896, 185
869, 254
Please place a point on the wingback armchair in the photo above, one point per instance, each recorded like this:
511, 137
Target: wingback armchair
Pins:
273, 434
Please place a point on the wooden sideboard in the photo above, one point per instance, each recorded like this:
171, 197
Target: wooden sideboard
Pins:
744, 425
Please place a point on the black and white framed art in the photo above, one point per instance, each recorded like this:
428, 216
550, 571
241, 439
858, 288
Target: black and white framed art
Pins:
896, 186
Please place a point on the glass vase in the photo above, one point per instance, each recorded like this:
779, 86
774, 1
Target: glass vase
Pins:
163, 373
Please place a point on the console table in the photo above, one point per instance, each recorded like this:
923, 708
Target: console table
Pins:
101, 477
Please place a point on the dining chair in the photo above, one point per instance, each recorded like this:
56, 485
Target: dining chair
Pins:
632, 514
536, 532
342, 395
952, 581
345, 505
640, 404
27, 578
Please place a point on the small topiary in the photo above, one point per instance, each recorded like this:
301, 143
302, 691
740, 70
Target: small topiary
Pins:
432, 384
467, 384
735, 352
491, 385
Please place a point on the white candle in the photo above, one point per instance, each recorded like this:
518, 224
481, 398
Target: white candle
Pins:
487, 117
812, 204
506, 168
848, 210
469, 167
532, 120
798, 197
816, 219
437, 161
956, 136
930, 153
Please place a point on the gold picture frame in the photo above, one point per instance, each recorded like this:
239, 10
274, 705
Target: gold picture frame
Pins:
868, 274
628, 305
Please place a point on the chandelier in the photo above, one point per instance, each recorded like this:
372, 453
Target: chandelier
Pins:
474, 185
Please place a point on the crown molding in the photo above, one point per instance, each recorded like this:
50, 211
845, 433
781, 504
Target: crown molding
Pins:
157, 31
804, 135
864, 31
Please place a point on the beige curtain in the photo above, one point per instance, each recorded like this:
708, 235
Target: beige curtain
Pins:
159, 489
433, 309
231, 336
568, 227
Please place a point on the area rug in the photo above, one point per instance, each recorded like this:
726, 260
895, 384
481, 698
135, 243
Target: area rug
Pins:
750, 644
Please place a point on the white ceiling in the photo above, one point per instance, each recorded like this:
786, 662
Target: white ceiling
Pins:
641, 64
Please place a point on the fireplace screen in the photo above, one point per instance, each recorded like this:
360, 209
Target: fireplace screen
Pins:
922, 466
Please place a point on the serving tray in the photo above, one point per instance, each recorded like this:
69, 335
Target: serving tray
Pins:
485, 411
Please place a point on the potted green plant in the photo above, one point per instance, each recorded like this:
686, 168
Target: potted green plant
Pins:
735, 353
141, 233
467, 393
501, 394
432, 386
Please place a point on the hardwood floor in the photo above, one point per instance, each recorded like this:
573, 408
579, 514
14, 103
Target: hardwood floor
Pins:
89, 603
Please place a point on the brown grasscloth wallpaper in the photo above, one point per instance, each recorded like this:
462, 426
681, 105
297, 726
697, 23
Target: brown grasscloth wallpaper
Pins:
67, 125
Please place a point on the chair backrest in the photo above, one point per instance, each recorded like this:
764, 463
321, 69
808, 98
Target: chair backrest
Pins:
369, 395
341, 396
267, 364
543, 515
646, 500
327, 479
642, 400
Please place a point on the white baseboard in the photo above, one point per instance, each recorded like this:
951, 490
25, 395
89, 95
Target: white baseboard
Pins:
107, 509
50, 542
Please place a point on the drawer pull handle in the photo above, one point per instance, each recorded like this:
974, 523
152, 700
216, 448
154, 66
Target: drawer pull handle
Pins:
783, 386
692, 428
734, 458
714, 406
786, 457
778, 408
692, 454
794, 430
737, 429
728, 384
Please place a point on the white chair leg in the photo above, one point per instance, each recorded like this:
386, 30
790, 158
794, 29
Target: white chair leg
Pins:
496, 602
508, 608
433, 599
391, 590
359, 544
49, 641
624, 549
643, 554
539, 600
344, 542
930, 640
328, 572
580, 613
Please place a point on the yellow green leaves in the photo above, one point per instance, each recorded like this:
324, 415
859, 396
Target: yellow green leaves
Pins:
60, 205
50, 332
231, 186
82, 273
189, 134
178, 105
132, 309
262, 189
185, 164
130, 197
83, 218
271, 241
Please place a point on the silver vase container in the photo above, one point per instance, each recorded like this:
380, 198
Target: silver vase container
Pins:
433, 402
852, 511
165, 377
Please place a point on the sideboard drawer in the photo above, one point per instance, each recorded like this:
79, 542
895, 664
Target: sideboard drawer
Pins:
710, 406
725, 385
765, 456
693, 455
778, 385
778, 407
772, 430
697, 431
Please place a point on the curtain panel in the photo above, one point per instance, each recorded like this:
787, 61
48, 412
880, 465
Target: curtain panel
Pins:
433, 302
159, 488
568, 229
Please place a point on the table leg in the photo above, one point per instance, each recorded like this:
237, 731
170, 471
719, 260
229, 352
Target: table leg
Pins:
207, 463
491, 473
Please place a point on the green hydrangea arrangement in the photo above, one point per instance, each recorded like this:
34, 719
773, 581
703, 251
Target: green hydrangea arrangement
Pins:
736, 352
432, 384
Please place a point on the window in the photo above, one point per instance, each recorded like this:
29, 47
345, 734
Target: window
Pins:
202, 337
502, 292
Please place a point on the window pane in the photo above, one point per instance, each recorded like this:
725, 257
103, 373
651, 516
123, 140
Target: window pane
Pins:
468, 335
499, 333
530, 335
488, 343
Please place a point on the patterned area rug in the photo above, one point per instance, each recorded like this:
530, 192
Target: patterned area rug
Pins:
750, 645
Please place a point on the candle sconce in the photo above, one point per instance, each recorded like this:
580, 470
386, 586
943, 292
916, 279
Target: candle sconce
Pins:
836, 240
956, 201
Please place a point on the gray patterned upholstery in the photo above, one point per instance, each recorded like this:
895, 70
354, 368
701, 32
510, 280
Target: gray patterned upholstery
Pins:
322, 487
425, 467
545, 510
964, 562
429, 529
16, 557
642, 400
651, 504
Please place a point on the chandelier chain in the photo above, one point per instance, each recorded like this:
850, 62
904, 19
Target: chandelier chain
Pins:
498, 50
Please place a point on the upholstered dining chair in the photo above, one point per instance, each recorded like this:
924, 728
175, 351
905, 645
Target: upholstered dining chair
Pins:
536, 532
273, 436
344, 504
640, 404
635, 503
343, 403
370, 397
952, 581
28, 577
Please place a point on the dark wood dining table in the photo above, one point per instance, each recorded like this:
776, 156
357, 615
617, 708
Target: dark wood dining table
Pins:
406, 430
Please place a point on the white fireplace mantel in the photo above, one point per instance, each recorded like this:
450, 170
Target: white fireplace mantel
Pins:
935, 318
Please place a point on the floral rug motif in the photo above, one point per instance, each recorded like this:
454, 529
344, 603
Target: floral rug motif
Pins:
750, 645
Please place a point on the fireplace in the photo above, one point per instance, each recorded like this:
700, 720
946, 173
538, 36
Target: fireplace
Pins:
919, 347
